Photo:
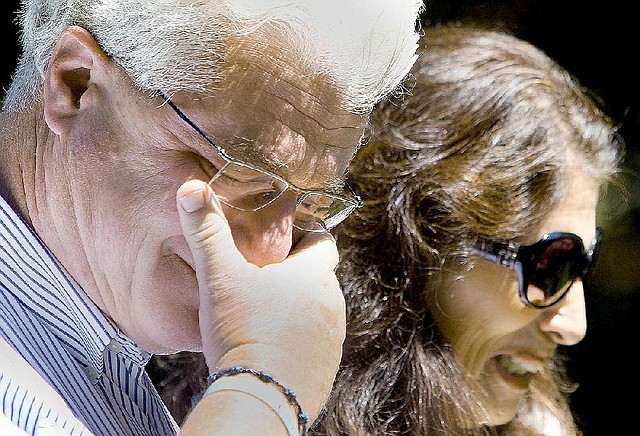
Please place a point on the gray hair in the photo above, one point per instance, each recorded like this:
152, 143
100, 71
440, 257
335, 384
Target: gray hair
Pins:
366, 46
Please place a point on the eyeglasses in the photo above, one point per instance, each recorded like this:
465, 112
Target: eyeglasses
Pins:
247, 187
547, 269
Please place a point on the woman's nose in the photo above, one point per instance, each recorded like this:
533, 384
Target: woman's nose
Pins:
265, 236
566, 322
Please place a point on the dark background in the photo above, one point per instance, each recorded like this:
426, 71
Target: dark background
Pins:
598, 45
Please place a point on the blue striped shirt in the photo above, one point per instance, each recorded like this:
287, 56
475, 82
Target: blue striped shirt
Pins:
55, 337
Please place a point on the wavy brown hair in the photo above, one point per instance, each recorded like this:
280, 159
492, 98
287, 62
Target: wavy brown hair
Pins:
480, 149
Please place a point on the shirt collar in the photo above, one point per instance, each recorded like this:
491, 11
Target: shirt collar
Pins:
48, 291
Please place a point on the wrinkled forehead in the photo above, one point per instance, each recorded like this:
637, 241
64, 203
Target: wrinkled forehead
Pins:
284, 111
286, 56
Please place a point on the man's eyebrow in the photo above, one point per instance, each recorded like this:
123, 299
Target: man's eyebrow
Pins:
270, 162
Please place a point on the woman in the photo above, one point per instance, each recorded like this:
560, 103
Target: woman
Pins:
460, 286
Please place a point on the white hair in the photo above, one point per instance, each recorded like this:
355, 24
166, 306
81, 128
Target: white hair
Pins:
366, 47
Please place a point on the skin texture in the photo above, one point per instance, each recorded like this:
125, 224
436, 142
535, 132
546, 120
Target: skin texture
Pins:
112, 174
481, 315
118, 192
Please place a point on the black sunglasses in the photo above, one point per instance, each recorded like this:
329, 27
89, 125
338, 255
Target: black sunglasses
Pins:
547, 269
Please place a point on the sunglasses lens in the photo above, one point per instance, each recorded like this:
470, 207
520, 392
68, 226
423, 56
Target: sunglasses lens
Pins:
555, 267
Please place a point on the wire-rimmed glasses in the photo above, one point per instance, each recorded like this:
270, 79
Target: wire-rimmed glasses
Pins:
247, 187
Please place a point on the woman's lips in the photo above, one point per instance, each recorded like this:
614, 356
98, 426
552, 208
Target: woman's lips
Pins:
517, 371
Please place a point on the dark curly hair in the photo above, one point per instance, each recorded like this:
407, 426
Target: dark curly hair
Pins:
479, 149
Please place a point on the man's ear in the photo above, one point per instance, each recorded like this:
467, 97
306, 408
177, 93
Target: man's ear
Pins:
76, 59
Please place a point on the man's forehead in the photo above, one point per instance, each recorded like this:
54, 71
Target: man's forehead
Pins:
291, 118
301, 162
291, 61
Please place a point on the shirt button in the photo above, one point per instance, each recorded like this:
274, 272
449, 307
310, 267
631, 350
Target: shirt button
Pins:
115, 346
91, 374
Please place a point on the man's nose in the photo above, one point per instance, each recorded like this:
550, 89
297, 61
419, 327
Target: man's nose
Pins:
566, 322
267, 235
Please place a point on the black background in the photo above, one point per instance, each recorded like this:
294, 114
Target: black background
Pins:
598, 45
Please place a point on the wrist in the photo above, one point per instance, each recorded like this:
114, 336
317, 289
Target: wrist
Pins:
232, 413
311, 383
262, 386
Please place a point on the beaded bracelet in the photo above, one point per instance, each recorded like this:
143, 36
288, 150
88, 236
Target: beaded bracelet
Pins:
268, 379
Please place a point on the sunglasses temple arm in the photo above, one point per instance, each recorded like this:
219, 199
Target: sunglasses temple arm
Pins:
502, 256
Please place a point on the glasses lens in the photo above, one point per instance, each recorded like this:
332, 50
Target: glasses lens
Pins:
321, 211
249, 190
246, 189
555, 267
242, 187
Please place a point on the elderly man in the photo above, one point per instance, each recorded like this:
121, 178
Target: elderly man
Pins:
169, 171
